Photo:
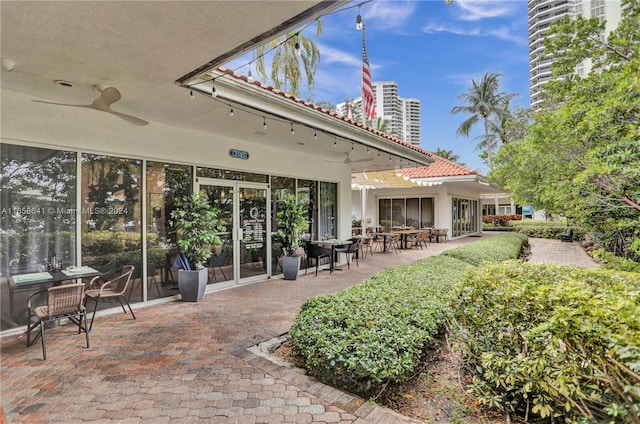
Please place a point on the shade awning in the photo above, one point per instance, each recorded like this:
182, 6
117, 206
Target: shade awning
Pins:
386, 179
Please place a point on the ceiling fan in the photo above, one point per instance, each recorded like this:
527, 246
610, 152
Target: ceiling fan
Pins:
348, 160
108, 96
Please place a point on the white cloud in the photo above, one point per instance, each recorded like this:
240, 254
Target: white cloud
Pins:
388, 15
332, 55
474, 10
502, 32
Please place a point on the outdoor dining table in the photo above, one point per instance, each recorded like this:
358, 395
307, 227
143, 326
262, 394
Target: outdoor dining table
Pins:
404, 235
29, 281
333, 243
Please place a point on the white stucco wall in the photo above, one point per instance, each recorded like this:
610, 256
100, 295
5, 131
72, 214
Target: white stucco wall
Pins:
68, 128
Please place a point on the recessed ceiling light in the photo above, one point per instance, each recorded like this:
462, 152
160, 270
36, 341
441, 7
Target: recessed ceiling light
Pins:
64, 83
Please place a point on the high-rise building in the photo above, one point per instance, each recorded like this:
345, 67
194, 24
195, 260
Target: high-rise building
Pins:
541, 14
402, 115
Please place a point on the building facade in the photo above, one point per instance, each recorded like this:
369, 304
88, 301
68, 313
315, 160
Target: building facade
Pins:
541, 14
402, 115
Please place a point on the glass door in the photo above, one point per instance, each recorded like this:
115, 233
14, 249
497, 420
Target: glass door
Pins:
243, 210
252, 224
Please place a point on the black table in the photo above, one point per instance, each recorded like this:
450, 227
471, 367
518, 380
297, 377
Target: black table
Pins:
333, 244
38, 280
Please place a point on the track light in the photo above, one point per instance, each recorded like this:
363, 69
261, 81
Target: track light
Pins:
231, 113
192, 95
264, 123
292, 132
214, 93
315, 134
335, 143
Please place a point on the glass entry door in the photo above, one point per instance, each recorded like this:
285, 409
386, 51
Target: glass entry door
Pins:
244, 212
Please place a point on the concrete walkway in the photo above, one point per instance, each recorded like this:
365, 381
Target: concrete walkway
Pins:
189, 362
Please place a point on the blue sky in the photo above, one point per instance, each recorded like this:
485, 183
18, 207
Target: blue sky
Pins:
432, 50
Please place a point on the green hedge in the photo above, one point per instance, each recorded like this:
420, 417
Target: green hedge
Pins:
554, 341
496, 249
546, 229
375, 333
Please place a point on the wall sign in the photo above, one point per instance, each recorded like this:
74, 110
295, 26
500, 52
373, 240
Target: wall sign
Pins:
238, 154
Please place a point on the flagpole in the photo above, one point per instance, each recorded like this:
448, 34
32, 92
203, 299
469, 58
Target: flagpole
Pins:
363, 114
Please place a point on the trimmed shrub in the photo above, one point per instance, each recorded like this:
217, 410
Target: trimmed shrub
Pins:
500, 220
546, 229
496, 249
553, 341
374, 333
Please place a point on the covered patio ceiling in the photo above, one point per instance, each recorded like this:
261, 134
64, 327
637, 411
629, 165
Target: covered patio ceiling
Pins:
66, 52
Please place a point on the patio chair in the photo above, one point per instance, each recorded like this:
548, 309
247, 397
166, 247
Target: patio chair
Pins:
418, 240
65, 301
316, 252
366, 245
151, 280
350, 250
116, 288
566, 236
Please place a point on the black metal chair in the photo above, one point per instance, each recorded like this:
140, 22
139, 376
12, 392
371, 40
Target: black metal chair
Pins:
65, 301
316, 252
567, 236
350, 250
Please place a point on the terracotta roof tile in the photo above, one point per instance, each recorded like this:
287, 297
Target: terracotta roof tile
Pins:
440, 168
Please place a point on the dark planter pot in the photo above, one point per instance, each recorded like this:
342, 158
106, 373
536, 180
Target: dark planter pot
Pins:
192, 284
290, 267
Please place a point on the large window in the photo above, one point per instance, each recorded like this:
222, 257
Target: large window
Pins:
328, 210
414, 212
38, 219
111, 220
165, 183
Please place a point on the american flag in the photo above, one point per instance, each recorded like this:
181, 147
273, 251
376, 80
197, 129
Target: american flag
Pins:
367, 90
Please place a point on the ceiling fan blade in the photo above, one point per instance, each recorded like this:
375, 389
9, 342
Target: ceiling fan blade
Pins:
59, 104
108, 96
130, 119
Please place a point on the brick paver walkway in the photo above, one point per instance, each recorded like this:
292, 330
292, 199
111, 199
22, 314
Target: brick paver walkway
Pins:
188, 362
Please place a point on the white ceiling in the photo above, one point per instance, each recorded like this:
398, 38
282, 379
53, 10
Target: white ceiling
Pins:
143, 48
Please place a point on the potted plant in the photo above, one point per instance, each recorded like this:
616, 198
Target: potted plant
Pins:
197, 225
291, 223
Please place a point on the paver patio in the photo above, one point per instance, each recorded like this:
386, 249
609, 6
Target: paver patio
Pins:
188, 362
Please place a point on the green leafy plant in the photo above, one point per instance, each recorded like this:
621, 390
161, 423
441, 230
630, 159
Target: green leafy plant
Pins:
291, 216
197, 224
553, 342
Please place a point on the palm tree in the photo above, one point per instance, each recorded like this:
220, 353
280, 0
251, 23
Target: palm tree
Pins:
449, 155
286, 71
483, 101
